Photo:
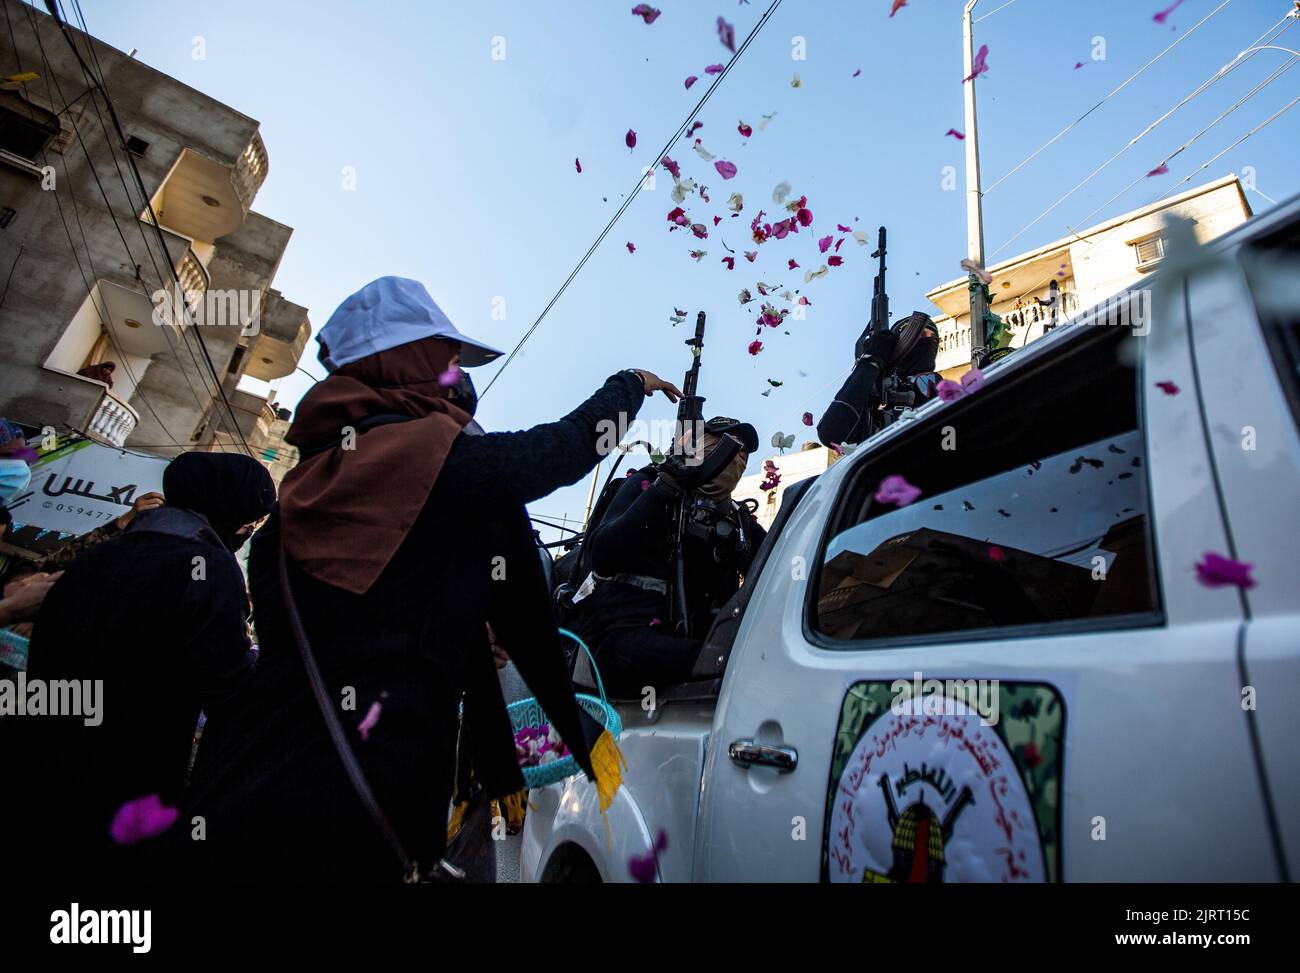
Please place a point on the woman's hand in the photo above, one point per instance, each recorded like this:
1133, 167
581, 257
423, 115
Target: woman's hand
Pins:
653, 383
22, 598
149, 501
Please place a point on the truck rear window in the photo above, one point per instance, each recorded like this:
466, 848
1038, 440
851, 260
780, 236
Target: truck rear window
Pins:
1033, 509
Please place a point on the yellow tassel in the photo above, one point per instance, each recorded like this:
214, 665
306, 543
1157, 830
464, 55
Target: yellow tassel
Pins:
608, 762
458, 812
516, 806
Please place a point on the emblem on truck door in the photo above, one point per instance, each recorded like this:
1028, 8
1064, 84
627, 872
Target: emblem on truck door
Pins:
928, 791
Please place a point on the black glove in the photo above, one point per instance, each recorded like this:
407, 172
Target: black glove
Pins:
880, 345
678, 476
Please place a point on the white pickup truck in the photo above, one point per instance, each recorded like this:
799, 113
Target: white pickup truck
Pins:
1023, 675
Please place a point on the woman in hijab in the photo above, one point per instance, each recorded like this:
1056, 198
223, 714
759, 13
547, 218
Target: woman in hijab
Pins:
396, 541
152, 625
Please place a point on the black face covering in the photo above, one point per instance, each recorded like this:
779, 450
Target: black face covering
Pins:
463, 395
230, 491
920, 359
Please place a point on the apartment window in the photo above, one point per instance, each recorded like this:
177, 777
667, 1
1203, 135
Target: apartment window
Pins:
1150, 251
25, 129
1036, 514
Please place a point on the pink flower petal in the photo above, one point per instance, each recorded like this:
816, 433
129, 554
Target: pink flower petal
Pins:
646, 12
450, 377
1163, 15
631, 247
843, 229
690, 81
730, 262
979, 65
700, 230
727, 34
1169, 388
1159, 170
807, 418
725, 169
973, 380
755, 347
745, 130
630, 139
370, 721
949, 391
857, 72
673, 168
711, 69
898, 5
896, 490
835, 261
793, 263
1077, 65
959, 136
751, 255
141, 819
578, 164
1216, 571
824, 243
644, 868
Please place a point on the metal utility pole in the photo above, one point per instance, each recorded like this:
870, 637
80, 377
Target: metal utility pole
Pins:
974, 195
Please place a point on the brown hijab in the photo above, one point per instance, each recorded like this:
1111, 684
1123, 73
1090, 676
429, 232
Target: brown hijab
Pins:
345, 511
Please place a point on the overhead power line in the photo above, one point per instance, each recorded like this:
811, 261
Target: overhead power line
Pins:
1217, 76
1033, 155
52, 6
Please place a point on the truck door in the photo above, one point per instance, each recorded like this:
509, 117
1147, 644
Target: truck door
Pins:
1015, 676
1246, 328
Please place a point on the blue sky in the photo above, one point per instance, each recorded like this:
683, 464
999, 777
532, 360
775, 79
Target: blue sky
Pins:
465, 176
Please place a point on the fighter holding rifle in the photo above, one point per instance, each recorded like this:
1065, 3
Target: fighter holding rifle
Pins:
670, 549
893, 370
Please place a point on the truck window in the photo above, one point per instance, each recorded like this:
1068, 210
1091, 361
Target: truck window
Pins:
1034, 510
1273, 273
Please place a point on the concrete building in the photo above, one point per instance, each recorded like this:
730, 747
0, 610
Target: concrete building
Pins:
87, 277
810, 460
1085, 268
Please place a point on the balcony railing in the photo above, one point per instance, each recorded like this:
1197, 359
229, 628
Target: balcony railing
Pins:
113, 420
250, 171
194, 280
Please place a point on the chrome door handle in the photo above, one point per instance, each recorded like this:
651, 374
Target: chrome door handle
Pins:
747, 753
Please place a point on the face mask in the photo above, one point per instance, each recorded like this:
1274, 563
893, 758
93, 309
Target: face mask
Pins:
463, 394
15, 477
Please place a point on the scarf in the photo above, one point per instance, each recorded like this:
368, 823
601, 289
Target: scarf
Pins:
344, 512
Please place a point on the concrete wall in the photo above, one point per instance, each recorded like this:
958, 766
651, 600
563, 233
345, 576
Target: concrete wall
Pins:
810, 460
196, 147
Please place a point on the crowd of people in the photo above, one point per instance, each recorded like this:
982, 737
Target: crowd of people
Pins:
384, 585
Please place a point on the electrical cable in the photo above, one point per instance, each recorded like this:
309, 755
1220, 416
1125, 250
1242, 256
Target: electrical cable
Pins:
117, 126
1033, 155
1218, 75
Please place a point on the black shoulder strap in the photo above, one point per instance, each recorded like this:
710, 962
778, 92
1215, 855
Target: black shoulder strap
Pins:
410, 869
362, 426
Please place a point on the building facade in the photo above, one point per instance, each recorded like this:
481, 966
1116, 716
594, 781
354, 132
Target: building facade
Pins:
167, 276
810, 460
1037, 290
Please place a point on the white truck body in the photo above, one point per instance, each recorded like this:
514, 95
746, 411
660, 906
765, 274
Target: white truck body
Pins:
1174, 729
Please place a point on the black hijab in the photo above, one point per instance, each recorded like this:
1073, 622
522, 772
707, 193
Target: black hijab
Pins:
228, 490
